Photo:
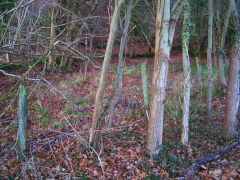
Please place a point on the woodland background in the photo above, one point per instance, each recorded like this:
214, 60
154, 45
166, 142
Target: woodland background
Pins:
124, 89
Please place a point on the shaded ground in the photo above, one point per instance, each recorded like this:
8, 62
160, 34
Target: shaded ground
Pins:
58, 120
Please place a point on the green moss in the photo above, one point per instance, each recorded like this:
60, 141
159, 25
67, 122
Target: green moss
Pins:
6, 97
132, 71
12, 128
80, 101
71, 109
45, 122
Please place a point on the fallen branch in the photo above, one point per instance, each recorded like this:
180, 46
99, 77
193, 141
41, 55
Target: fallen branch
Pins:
194, 167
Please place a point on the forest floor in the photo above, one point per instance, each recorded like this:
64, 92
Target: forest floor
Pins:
59, 117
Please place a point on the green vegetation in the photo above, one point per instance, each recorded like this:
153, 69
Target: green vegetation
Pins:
71, 109
10, 66
7, 97
80, 101
132, 71
44, 117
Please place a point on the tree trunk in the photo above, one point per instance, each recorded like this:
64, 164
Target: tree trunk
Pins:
164, 36
69, 59
215, 52
209, 57
221, 74
199, 75
232, 101
145, 84
65, 56
22, 114
186, 70
51, 60
119, 80
107, 57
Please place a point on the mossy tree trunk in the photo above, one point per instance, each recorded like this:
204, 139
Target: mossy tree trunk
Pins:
22, 115
145, 84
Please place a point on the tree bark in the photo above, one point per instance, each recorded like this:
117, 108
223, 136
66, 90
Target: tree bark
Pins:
186, 70
22, 114
199, 75
221, 74
209, 57
52, 35
145, 84
107, 57
233, 95
215, 43
64, 64
164, 36
119, 79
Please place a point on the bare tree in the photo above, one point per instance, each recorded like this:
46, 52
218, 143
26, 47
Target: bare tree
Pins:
220, 36
52, 37
119, 80
209, 57
107, 57
186, 70
233, 95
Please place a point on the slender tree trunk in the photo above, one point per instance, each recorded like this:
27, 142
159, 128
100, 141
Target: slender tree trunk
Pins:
233, 95
67, 60
221, 74
164, 36
107, 57
22, 114
9, 59
209, 57
175, 13
199, 75
215, 52
145, 84
119, 80
186, 70
65, 57
52, 36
